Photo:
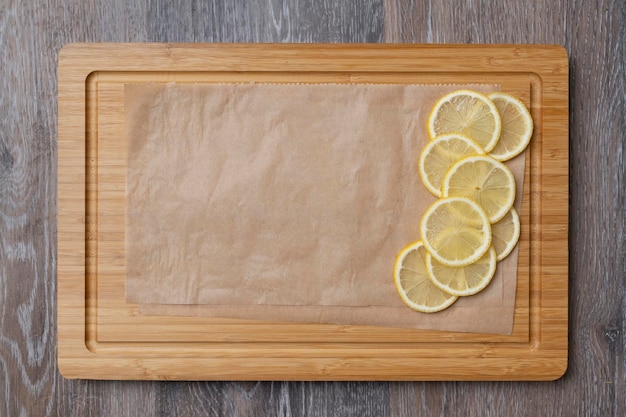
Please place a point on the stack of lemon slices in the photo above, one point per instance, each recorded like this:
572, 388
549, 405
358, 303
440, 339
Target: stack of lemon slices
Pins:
473, 224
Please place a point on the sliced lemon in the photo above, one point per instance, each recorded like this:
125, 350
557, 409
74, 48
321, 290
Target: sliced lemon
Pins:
456, 231
413, 284
482, 179
505, 234
468, 112
440, 154
517, 126
464, 280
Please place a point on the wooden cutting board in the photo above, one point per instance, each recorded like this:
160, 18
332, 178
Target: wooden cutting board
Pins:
101, 336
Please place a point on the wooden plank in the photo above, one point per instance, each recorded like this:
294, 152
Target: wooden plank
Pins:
98, 331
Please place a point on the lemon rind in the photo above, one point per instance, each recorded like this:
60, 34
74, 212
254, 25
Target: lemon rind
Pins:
484, 98
472, 291
516, 235
434, 142
494, 218
396, 279
527, 117
478, 253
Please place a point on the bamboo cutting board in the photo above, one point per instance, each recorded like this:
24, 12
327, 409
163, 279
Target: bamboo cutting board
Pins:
101, 336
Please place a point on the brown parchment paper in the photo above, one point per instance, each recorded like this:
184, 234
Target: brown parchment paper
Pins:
281, 197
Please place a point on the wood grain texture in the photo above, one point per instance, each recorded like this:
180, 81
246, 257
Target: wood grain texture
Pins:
205, 348
593, 33
31, 34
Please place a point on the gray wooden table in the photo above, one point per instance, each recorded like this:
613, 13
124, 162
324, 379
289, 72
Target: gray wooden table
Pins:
31, 33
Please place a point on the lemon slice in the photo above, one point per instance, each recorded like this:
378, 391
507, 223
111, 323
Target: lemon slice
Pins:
456, 231
468, 112
517, 126
486, 181
464, 280
505, 234
440, 154
413, 284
